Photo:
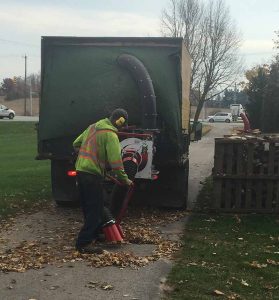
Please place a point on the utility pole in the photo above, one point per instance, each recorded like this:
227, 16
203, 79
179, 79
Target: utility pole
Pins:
25, 87
205, 110
31, 99
234, 96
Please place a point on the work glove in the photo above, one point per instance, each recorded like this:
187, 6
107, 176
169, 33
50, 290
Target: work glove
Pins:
128, 182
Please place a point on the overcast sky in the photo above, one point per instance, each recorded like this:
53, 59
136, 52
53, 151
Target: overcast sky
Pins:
22, 23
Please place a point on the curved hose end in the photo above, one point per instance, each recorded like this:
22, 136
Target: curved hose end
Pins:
246, 122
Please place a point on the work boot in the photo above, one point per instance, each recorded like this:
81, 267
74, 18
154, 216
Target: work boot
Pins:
100, 238
90, 249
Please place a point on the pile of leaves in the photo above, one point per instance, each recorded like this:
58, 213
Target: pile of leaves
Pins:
57, 246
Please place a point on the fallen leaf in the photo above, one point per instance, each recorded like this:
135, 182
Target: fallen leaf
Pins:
257, 265
91, 286
54, 287
218, 293
233, 296
272, 262
163, 280
107, 287
166, 288
238, 220
210, 220
192, 264
269, 287
180, 281
53, 246
243, 282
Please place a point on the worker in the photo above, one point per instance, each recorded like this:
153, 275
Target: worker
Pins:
98, 150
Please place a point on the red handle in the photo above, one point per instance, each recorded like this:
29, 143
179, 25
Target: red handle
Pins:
125, 203
126, 200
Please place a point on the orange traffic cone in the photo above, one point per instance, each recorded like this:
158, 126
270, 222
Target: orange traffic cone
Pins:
112, 232
120, 230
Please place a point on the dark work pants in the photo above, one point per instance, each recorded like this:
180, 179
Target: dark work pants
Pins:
91, 197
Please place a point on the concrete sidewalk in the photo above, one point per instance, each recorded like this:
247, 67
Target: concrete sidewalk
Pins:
202, 159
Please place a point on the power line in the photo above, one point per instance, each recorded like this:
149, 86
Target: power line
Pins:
10, 55
18, 43
258, 53
18, 55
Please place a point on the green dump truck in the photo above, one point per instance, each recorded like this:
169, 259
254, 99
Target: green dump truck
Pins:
85, 78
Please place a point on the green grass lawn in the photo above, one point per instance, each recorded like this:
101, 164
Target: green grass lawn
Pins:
237, 255
24, 180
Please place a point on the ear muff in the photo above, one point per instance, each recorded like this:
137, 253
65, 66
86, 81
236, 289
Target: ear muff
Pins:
120, 121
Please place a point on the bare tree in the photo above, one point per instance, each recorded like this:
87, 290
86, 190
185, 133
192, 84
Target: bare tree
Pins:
212, 41
276, 42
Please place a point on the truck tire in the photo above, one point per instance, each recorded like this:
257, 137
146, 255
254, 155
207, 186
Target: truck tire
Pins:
180, 185
64, 187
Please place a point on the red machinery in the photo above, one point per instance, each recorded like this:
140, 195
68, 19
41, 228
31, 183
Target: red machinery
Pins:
246, 122
112, 229
137, 155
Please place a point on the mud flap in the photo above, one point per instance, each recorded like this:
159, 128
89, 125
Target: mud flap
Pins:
170, 190
64, 187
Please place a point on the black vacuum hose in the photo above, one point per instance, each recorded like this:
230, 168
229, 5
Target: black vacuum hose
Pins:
145, 85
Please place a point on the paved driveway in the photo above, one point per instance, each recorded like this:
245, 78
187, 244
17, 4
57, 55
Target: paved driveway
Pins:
74, 280
202, 158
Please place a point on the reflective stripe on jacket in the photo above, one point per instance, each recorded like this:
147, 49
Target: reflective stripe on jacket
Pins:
99, 150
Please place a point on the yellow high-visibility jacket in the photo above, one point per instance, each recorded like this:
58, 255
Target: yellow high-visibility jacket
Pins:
100, 150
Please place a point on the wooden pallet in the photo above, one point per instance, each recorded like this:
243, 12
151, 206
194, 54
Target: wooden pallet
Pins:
246, 174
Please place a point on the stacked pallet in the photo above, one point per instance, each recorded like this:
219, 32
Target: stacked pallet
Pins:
246, 173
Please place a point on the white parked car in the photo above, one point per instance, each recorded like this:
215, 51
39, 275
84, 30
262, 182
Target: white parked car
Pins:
220, 117
5, 112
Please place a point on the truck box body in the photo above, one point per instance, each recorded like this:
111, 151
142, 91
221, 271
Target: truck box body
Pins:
236, 109
82, 83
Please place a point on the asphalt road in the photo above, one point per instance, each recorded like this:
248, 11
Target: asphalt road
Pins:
21, 118
70, 281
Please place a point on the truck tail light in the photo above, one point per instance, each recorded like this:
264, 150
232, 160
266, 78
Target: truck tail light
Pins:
72, 173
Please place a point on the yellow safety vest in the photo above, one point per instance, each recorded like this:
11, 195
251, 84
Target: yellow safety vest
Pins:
100, 150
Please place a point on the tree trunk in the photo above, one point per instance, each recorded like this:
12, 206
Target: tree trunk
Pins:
197, 114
